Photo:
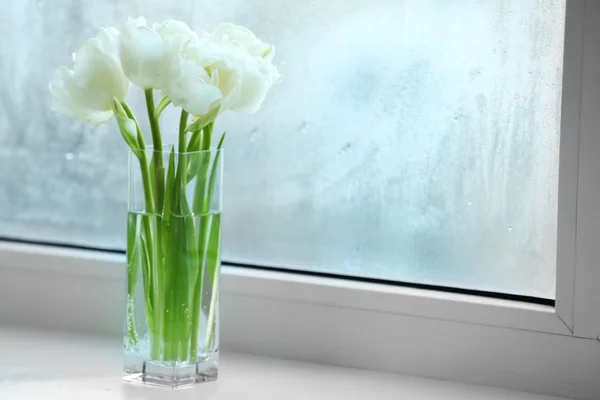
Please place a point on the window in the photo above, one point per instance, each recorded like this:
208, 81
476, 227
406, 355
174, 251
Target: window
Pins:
299, 197
423, 148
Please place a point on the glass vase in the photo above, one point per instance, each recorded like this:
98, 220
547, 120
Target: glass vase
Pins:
171, 333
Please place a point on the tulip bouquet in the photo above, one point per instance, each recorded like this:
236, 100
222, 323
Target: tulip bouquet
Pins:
173, 240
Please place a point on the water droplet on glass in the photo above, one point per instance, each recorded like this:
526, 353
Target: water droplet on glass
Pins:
470, 203
69, 156
344, 149
305, 127
510, 228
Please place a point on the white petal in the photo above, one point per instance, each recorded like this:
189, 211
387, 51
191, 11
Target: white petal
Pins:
189, 87
86, 91
143, 54
253, 91
244, 36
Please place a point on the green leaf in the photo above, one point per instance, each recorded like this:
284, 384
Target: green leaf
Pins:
221, 140
192, 263
133, 268
201, 171
159, 180
167, 211
157, 174
213, 261
181, 268
194, 159
208, 247
161, 106
147, 270
213, 174
184, 207
207, 137
204, 120
152, 172
127, 126
194, 144
198, 165
160, 183
198, 291
180, 205
214, 248
133, 259
267, 52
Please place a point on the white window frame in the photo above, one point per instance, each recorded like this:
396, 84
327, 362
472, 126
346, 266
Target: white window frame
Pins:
481, 340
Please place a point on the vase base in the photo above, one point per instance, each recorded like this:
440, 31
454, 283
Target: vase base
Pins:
171, 375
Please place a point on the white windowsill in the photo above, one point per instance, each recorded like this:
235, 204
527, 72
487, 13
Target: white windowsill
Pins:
40, 364
403, 331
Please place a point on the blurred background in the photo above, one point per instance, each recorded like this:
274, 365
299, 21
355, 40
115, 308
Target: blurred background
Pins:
408, 140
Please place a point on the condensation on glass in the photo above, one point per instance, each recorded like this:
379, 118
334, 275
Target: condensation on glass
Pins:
410, 140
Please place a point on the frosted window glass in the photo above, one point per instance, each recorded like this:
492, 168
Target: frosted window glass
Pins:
411, 140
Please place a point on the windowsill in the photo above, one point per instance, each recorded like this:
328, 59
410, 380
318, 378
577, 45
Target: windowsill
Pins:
50, 364
446, 336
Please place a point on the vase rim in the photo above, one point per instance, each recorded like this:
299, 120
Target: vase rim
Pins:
166, 149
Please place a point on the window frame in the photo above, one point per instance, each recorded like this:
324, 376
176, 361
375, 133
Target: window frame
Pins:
390, 328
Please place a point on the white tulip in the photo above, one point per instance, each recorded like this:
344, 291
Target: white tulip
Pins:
174, 34
146, 51
225, 72
189, 86
244, 36
143, 54
253, 59
242, 76
86, 91
257, 76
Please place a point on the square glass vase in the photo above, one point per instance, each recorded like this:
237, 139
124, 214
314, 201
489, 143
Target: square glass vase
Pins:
171, 335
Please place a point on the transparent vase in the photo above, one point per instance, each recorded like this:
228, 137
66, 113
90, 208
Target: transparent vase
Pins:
171, 333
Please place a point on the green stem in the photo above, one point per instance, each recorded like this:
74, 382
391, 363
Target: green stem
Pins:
149, 273
182, 125
213, 251
198, 209
212, 315
212, 265
154, 127
180, 186
133, 337
157, 144
133, 268
159, 190
197, 298
148, 196
213, 175
200, 189
177, 264
208, 244
188, 239
141, 155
